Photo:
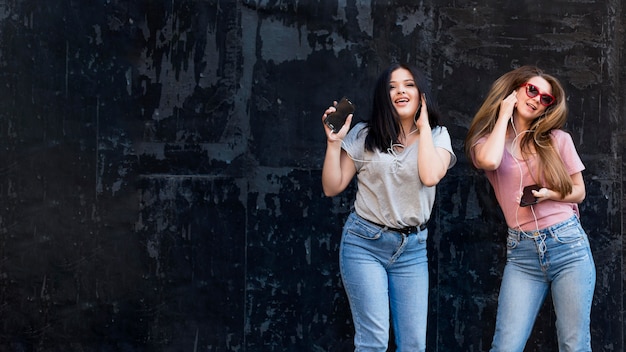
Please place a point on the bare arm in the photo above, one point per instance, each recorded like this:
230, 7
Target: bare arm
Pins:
488, 155
338, 169
432, 162
577, 196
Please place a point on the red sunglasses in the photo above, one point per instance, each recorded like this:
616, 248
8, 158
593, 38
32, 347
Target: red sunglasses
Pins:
544, 98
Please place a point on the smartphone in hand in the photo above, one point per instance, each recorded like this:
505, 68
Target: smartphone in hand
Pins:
527, 196
336, 120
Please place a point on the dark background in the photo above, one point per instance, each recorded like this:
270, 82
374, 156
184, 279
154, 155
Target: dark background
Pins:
160, 165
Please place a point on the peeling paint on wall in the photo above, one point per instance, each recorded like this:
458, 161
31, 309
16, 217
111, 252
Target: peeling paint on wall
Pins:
161, 166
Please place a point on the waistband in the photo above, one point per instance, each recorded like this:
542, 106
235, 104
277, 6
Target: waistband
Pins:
404, 230
545, 231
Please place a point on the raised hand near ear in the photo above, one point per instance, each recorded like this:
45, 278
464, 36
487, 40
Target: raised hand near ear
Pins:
508, 105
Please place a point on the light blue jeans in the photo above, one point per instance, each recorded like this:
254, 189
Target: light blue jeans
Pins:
383, 270
556, 259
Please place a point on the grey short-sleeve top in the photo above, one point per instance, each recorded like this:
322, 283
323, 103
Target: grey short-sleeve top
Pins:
389, 188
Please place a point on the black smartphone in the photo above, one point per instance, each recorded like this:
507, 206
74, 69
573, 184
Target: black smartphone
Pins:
336, 120
527, 196
417, 114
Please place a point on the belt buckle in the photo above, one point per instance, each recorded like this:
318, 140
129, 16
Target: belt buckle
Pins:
411, 229
408, 230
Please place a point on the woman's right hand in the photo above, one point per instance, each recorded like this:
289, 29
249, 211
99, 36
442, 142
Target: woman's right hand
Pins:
338, 169
330, 135
508, 105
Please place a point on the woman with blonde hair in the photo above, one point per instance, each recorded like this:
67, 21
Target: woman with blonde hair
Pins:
516, 137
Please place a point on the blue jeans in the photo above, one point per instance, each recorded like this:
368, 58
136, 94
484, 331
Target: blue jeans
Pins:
385, 272
556, 259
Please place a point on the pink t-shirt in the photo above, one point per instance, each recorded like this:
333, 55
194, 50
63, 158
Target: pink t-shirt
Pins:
508, 187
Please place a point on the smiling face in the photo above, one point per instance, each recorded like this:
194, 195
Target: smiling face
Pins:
528, 107
404, 93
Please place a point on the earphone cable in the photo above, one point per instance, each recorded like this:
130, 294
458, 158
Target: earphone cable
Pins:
521, 184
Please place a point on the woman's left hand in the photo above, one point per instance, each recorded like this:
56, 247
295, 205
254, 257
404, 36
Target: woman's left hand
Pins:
542, 194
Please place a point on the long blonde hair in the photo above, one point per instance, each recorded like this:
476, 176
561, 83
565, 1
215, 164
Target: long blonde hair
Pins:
550, 167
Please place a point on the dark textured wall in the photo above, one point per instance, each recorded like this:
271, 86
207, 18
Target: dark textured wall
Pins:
160, 165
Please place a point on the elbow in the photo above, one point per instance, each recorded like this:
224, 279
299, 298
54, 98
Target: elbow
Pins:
488, 165
329, 191
430, 184
332, 187
577, 196
581, 194
582, 197
487, 162
431, 175
431, 180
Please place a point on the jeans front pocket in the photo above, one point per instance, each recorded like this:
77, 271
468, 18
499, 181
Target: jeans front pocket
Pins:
512, 241
422, 236
362, 228
571, 232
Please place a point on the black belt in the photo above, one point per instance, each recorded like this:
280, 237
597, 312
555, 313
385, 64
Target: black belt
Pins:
405, 230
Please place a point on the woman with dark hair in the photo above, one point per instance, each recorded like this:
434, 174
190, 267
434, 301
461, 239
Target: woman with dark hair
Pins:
516, 137
398, 156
